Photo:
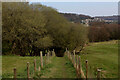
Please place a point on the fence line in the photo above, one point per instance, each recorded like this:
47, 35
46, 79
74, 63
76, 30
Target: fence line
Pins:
46, 61
76, 61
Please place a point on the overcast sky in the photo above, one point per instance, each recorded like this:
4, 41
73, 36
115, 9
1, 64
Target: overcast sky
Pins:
87, 8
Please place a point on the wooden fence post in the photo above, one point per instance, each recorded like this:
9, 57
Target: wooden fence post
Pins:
53, 52
74, 59
15, 73
69, 55
66, 49
28, 70
74, 52
41, 58
86, 69
76, 62
48, 57
79, 67
35, 65
98, 74
45, 59
39, 68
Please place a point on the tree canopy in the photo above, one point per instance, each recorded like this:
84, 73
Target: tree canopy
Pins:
29, 28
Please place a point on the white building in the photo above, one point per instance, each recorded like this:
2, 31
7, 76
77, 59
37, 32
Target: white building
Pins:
87, 21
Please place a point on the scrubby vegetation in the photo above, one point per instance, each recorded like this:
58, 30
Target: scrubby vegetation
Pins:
100, 31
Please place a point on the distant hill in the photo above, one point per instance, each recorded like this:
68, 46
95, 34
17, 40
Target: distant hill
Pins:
75, 17
78, 18
114, 17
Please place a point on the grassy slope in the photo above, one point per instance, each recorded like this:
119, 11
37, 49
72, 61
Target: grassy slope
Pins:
102, 55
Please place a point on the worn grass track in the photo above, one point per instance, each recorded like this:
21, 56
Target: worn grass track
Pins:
62, 68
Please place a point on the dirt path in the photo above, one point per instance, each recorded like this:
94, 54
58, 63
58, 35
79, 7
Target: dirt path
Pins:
61, 68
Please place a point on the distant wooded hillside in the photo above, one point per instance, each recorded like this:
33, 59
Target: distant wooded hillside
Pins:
78, 18
108, 17
75, 17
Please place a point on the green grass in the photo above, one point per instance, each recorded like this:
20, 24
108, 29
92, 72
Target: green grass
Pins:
103, 55
9, 62
58, 67
62, 68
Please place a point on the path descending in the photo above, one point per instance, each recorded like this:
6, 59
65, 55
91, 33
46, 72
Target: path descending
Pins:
60, 69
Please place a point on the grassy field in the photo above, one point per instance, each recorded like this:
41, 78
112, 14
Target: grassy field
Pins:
9, 62
103, 55
59, 67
